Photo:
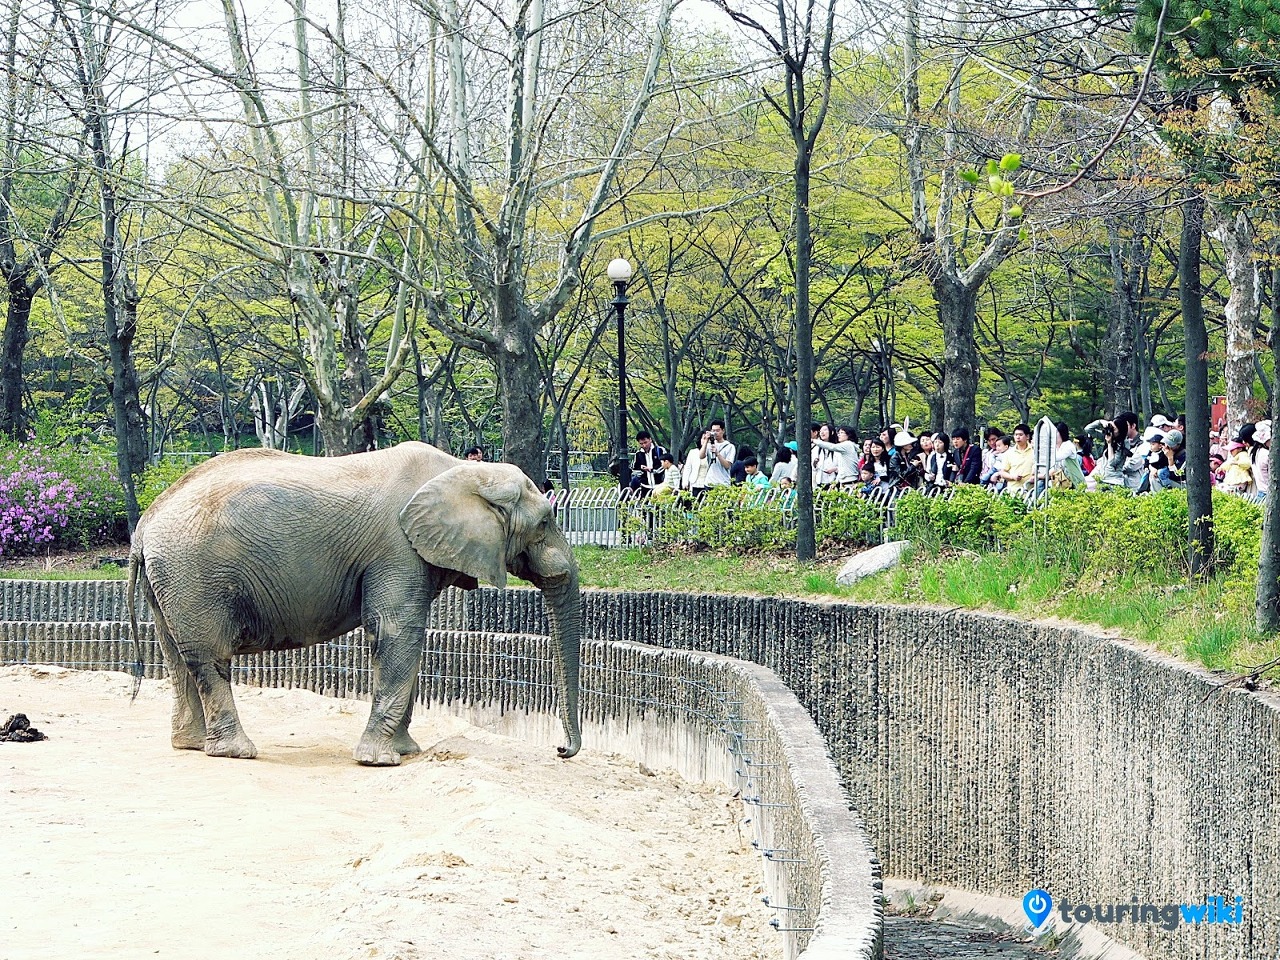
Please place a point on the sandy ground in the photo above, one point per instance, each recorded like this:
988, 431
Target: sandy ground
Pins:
112, 844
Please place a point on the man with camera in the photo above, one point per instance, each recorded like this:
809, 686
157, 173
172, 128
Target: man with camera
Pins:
719, 454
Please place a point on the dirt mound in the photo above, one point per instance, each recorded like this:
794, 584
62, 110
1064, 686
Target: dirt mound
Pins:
19, 730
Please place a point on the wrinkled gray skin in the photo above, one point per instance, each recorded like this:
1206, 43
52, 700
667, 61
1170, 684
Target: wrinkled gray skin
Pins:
262, 550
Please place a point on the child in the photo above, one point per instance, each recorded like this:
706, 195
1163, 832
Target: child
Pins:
670, 477
1237, 469
1215, 469
871, 484
755, 479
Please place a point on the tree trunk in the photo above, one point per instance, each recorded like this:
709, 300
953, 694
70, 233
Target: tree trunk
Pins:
806, 533
13, 422
1191, 295
520, 385
1267, 610
120, 320
1241, 314
957, 313
1117, 389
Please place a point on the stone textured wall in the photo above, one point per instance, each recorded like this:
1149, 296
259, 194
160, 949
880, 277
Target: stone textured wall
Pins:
983, 752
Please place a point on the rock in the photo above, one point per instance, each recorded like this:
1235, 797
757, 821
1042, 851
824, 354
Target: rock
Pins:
871, 561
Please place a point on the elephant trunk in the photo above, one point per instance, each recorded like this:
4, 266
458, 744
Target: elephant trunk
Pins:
563, 603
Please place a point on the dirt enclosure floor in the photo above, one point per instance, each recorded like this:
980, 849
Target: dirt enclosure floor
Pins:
115, 845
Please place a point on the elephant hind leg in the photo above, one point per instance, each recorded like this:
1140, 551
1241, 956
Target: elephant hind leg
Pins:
224, 737
188, 714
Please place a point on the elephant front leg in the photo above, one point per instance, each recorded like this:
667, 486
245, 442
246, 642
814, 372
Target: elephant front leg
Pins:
401, 742
395, 682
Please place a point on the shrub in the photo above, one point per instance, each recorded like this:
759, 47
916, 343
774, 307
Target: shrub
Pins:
1237, 534
846, 516
971, 518
738, 518
68, 498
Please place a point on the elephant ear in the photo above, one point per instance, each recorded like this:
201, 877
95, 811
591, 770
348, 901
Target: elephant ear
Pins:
458, 521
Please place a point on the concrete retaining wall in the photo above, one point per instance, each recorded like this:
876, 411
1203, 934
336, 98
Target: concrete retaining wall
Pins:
983, 752
709, 717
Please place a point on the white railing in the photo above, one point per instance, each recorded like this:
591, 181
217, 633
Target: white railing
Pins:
610, 517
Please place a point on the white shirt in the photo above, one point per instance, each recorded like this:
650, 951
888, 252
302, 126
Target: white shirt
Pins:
783, 471
717, 473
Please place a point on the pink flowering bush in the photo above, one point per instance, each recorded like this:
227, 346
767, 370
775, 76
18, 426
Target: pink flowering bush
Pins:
68, 498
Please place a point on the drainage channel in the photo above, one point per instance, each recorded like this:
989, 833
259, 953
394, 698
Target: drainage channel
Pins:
909, 938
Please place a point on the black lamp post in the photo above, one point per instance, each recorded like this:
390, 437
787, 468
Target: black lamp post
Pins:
620, 274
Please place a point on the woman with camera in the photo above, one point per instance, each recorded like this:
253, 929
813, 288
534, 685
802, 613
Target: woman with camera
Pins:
1107, 469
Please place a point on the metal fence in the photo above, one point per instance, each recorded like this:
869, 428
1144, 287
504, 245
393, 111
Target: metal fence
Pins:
613, 517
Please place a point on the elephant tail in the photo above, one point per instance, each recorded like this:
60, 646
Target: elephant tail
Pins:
137, 565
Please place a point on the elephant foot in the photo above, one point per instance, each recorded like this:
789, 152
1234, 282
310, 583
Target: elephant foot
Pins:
187, 741
238, 746
372, 753
405, 745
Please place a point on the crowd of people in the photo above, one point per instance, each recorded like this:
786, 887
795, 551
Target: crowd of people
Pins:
1119, 452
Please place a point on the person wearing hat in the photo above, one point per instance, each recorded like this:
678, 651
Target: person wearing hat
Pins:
1237, 469
906, 471
1174, 474
1157, 459
1261, 457
1215, 468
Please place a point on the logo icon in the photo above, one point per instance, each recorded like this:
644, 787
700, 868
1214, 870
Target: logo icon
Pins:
1038, 905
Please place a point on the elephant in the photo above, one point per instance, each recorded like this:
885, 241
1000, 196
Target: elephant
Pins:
263, 550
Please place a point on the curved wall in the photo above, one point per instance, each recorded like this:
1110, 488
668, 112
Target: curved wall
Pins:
983, 752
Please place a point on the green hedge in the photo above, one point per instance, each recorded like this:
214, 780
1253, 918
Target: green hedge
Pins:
1090, 530
737, 518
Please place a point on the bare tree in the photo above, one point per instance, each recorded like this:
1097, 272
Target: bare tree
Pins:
42, 177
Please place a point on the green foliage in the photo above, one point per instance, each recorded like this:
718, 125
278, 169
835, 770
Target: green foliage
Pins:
1113, 531
738, 518
846, 516
972, 519
159, 477
1237, 535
